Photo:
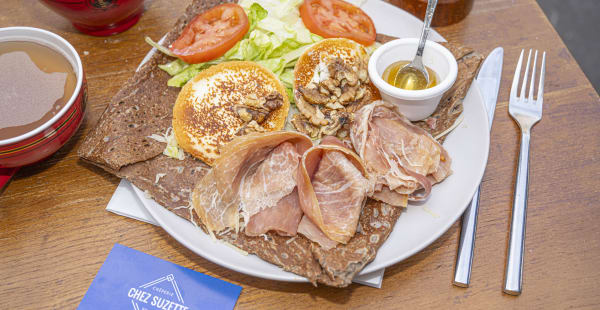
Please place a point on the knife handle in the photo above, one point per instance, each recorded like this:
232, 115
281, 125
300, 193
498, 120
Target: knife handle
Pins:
464, 258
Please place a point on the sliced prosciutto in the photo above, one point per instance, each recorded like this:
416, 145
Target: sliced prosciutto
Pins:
402, 159
314, 233
261, 188
255, 179
333, 188
283, 218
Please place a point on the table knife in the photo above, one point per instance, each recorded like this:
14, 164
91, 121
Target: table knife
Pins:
488, 80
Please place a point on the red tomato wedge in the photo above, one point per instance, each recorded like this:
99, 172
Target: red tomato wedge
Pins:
338, 19
211, 34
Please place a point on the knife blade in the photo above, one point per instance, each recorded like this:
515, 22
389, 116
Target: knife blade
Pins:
488, 80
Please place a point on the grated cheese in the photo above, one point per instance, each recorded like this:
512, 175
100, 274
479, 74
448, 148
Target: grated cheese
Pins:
212, 235
225, 231
172, 149
430, 212
290, 240
235, 248
158, 138
192, 217
158, 176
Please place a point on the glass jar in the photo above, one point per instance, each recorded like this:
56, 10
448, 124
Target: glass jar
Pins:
447, 12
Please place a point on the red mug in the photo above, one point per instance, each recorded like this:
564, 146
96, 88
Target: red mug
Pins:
99, 17
47, 138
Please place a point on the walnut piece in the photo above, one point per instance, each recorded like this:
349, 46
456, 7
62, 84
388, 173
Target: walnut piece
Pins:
312, 113
254, 111
336, 120
326, 105
314, 95
304, 126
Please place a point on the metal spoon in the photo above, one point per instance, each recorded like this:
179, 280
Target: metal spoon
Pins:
413, 75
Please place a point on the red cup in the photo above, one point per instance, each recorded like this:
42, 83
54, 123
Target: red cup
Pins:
99, 17
46, 139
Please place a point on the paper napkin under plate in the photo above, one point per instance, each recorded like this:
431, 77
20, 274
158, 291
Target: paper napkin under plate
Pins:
126, 203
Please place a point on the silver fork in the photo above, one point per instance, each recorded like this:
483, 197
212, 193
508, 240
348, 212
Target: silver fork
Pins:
526, 112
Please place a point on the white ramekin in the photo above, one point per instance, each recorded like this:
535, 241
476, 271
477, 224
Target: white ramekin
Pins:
414, 104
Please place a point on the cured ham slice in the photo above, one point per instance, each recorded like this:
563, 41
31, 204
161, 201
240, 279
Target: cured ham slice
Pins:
246, 180
283, 218
402, 159
332, 188
313, 233
263, 187
390, 197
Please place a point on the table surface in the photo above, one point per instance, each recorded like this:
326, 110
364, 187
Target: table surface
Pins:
55, 233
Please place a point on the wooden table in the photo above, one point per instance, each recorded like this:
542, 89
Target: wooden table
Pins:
55, 233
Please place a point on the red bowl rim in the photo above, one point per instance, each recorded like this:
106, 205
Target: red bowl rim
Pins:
78, 72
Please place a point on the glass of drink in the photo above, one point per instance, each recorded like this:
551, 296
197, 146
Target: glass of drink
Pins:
99, 17
447, 12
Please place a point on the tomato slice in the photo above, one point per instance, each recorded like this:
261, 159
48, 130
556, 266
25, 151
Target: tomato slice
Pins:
211, 34
338, 19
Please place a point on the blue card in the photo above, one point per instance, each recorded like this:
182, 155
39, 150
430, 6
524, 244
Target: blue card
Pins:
130, 279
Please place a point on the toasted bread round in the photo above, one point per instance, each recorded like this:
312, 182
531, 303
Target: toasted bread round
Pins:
204, 116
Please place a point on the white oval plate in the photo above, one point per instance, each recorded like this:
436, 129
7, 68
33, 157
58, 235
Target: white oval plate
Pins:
418, 226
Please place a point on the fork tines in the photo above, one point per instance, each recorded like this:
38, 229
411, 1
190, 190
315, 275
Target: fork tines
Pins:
513, 90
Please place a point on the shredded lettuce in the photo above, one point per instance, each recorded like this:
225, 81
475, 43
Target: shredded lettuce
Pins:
182, 72
255, 14
276, 39
159, 47
181, 77
172, 149
174, 67
287, 78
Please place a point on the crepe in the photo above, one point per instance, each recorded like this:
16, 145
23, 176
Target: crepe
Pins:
120, 144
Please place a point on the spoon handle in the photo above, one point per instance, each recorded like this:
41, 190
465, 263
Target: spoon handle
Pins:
431, 4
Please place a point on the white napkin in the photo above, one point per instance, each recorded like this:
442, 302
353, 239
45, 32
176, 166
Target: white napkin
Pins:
126, 203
